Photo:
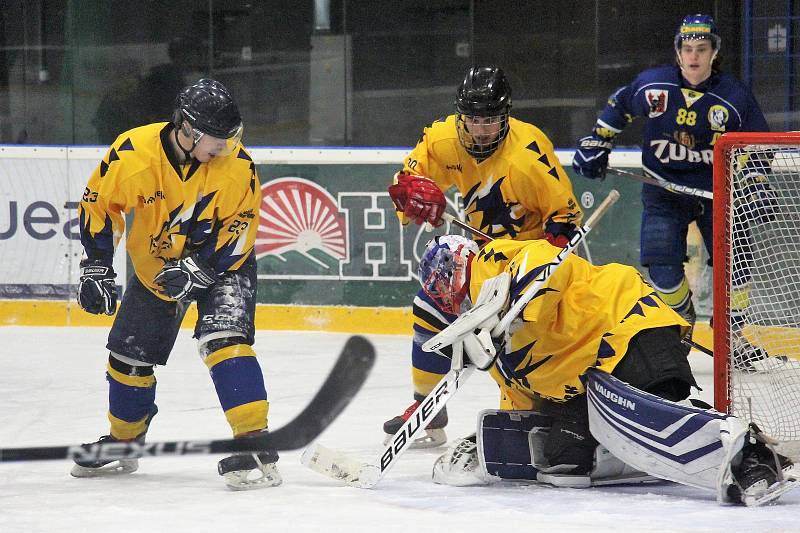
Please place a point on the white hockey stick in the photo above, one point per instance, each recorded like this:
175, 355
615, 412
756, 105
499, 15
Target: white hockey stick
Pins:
338, 465
544, 275
664, 184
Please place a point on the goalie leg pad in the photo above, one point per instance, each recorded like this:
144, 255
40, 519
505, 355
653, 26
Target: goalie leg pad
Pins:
504, 443
511, 447
671, 441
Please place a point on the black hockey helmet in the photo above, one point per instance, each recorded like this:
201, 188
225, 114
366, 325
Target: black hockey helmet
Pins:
207, 108
485, 92
484, 99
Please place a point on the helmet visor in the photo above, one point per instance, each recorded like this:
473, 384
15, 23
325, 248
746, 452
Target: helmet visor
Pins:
218, 146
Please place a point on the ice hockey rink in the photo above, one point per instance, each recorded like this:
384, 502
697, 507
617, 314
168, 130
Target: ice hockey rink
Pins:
53, 392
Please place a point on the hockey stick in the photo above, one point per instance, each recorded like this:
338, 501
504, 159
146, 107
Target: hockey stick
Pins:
339, 466
664, 184
344, 381
690, 343
447, 217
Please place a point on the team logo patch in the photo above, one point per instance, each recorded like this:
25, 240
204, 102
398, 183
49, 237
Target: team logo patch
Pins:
684, 137
657, 101
298, 215
718, 117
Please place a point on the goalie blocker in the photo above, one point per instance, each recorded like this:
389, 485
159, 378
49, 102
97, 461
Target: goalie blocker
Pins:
642, 438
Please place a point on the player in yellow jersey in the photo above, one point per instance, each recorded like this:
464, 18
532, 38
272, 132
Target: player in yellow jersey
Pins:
512, 186
595, 358
194, 196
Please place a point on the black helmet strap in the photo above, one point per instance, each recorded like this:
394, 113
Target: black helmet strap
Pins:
187, 154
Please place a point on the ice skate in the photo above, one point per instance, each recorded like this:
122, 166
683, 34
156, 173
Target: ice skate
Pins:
112, 467
749, 358
761, 475
434, 433
246, 471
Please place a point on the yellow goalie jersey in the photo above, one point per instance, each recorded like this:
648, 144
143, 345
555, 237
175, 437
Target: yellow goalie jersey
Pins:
513, 193
583, 317
210, 208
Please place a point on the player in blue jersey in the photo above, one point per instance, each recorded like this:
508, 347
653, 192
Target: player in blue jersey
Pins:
687, 106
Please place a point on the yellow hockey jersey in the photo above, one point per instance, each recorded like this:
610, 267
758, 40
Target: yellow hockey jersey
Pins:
513, 193
209, 208
583, 317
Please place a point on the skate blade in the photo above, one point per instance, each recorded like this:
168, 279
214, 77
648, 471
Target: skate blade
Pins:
116, 468
268, 476
764, 496
432, 439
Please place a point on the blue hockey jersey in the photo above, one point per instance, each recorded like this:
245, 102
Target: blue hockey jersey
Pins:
683, 123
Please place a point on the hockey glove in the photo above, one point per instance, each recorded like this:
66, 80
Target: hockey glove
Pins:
97, 293
185, 279
558, 234
419, 198
758, 199
591, 157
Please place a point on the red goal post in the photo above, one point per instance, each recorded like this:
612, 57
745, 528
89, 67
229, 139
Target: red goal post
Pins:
756, 260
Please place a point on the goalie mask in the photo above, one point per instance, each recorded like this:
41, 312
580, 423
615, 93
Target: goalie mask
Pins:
206, 108
444, 271
482, 107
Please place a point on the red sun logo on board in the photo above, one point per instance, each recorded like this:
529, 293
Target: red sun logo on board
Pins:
297, 215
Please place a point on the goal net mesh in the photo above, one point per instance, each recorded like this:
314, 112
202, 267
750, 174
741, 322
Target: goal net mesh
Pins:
757, 283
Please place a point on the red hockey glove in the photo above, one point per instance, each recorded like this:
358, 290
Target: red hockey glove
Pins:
558, 233
419, 198
559, 241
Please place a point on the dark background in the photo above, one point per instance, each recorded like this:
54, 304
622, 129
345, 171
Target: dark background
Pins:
356, 72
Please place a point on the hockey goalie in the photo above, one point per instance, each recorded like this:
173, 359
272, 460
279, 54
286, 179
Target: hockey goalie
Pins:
594, 380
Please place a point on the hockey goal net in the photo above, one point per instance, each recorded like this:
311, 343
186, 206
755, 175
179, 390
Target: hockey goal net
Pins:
757, 281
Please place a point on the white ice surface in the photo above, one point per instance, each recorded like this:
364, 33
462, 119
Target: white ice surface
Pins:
53, 392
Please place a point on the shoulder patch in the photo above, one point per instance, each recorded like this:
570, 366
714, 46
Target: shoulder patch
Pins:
243, 155
534, 147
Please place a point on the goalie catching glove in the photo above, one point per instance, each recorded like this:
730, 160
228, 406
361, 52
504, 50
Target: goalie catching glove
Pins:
185, 279
97, 293
418, 198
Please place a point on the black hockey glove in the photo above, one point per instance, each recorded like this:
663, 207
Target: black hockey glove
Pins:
759, 200
185, 279
97, 293
591, 157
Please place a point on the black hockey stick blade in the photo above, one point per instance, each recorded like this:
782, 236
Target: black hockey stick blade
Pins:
344, 381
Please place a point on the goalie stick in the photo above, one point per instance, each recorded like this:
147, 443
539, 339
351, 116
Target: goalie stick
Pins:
664, 184
338, 465
580, 233
345, 379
